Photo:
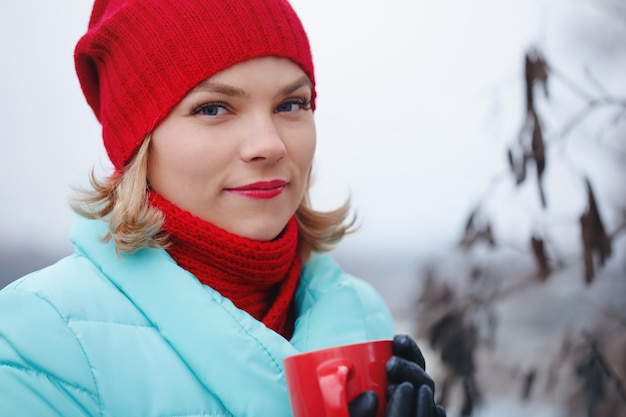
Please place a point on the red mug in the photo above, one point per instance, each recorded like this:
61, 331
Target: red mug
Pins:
321, 383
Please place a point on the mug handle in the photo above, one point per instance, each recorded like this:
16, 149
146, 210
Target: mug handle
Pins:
332, 377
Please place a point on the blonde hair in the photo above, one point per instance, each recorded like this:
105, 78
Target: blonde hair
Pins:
121, 199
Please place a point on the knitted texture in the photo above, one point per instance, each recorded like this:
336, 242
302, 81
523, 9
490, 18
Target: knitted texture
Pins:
139, 58
259, 277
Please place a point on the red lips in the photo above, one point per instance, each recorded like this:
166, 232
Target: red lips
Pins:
261, 190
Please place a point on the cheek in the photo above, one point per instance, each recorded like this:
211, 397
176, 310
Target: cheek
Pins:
181, 153
166, 160
304, 147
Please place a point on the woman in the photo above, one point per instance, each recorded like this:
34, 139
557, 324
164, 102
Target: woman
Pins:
199, 262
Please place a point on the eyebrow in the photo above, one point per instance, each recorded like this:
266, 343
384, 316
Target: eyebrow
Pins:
213, 87
228, 90
300, 82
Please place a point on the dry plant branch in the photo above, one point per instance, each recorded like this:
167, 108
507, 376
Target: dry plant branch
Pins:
456, 318
606, 368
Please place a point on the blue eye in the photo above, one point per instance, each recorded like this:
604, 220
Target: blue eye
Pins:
293, 105
210, 109
285, 107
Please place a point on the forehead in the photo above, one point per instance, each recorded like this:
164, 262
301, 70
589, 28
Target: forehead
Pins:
274, 72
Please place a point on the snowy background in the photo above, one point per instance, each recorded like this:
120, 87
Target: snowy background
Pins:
418, 101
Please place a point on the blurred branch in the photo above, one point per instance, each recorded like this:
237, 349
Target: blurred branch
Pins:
573, 87
618, 117
589, 108
604, 366
592, 78
592, 102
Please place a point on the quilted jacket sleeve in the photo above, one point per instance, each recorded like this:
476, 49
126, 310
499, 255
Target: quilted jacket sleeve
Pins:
43, 371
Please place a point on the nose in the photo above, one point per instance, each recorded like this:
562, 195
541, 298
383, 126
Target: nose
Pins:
263, 141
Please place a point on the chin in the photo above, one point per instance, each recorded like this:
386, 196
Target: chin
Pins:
259, 230
264, 235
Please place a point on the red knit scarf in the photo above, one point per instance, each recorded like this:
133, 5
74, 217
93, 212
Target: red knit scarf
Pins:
259, 277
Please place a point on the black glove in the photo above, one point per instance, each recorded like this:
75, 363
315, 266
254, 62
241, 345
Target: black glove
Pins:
410, 391
364, 405
407, 364
406, 401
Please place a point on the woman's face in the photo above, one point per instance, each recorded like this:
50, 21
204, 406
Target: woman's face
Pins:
237, 150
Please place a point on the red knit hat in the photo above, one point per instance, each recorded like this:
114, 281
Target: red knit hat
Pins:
139, 58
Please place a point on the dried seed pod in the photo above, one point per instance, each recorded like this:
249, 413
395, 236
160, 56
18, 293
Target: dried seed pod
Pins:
594, 237
539, 252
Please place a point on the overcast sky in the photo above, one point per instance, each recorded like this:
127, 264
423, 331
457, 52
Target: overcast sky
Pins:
417, 102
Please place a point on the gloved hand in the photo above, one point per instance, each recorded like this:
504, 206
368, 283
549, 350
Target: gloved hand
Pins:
411, 390
364, 405
406, 401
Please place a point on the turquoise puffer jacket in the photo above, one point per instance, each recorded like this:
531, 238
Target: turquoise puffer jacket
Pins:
99, 334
